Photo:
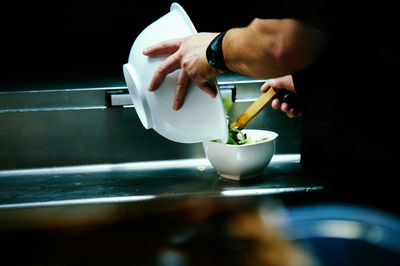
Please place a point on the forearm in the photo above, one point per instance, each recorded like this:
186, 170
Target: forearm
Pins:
272, 48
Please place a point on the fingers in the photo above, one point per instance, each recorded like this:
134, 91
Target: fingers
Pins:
294, 112
285, 107
276, 103
207, 88
285, 82
187, 59
165, 47
290, 111
170, 64
267, 85
181, 90
289, 106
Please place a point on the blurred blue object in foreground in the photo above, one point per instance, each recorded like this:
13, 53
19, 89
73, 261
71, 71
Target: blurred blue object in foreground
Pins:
346, 235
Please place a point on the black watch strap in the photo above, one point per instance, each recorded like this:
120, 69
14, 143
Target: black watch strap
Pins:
215, 56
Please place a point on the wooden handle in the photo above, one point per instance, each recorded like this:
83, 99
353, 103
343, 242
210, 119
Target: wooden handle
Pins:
253, 109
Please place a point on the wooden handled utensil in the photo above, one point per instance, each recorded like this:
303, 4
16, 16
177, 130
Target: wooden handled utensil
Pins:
253, 109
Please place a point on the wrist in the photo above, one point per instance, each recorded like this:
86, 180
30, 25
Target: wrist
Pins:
215, 54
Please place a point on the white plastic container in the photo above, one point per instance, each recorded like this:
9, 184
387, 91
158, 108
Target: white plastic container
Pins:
201, 118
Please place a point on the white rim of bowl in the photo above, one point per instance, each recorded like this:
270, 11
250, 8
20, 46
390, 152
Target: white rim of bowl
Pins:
179, 8
250, 144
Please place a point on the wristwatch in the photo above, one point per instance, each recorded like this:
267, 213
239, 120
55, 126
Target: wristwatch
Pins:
215, 56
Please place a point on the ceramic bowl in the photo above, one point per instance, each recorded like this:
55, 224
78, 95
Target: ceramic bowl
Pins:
201, 118
240, 162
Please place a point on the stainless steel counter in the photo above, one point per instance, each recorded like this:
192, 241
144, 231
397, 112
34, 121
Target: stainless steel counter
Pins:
69, 157
140, 181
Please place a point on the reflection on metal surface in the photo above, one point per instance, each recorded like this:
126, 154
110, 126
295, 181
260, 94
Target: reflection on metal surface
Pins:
62, 90
78, 202
119, 167
50, 109
234, 78
286, 158
268, 191
54, 100
200, 163
141, 181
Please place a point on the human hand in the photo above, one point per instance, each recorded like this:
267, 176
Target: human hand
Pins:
189, 55
286, 99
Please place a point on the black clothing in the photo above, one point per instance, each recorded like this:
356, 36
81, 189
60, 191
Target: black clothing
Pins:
350, 98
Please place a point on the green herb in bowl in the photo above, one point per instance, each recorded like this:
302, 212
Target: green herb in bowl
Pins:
237, 137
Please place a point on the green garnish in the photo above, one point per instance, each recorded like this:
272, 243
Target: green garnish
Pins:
237, 137
227, 102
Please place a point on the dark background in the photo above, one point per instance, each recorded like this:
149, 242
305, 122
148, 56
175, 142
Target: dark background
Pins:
47, 45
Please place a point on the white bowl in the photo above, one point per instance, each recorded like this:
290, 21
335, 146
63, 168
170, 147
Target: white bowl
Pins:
240, 162
201, 118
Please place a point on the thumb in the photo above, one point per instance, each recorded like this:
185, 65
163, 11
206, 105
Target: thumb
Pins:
269, 83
